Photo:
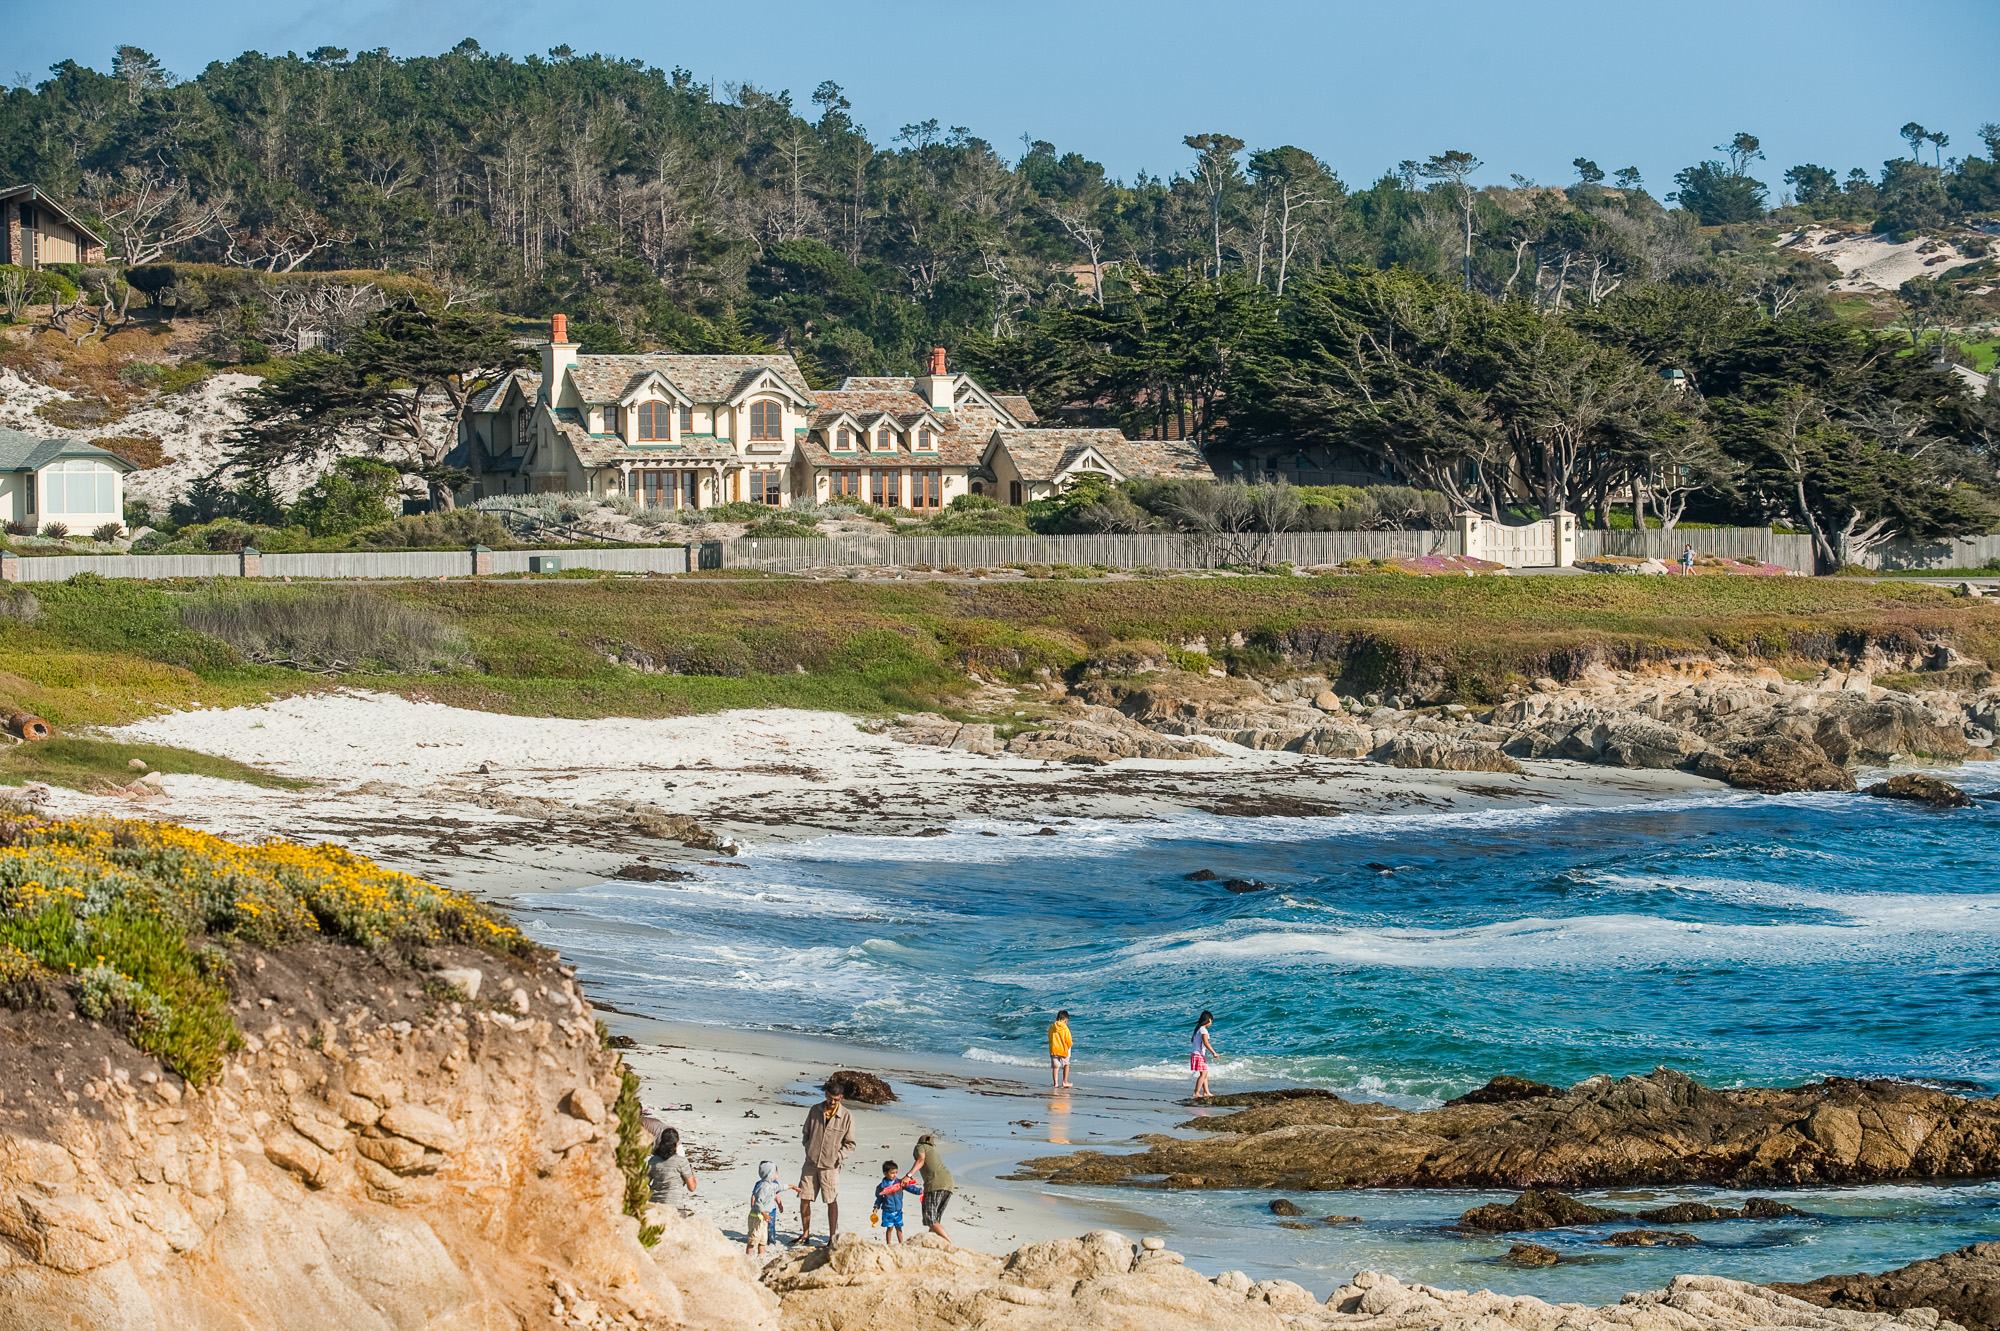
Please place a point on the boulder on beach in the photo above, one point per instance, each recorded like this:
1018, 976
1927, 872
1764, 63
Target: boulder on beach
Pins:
1775, 765
1445, 754
1921, 789
861, 1087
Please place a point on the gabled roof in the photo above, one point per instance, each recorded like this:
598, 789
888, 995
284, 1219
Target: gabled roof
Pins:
1042, 455
494, 395
953, 450
702, 379
24, 452
1017, 407
29, 194
967, 398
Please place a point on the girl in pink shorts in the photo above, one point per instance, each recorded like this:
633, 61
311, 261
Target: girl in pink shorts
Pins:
1200, 1050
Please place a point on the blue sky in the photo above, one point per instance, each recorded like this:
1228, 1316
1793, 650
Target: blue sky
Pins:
1526, 87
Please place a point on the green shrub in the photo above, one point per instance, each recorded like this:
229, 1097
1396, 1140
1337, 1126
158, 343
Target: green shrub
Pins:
456, 529
354, 493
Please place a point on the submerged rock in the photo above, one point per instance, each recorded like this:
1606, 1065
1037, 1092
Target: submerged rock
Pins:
1284, 1207
1531, 1254
1650, 1238
1535, 1209
1921, 789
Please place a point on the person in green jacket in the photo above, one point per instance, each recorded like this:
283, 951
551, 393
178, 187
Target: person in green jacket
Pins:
929, 1162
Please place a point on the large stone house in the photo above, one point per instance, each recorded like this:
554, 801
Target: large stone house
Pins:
36, 230
44, 481
697, 431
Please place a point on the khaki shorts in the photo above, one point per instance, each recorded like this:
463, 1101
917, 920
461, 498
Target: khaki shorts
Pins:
819, 1185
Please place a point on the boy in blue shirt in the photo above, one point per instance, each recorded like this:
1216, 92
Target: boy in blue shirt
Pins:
889, 1201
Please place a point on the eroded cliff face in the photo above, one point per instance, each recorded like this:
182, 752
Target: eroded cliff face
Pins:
387, 1151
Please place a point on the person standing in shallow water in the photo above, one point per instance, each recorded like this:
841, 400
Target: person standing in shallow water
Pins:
1060, 1043
1200, 1050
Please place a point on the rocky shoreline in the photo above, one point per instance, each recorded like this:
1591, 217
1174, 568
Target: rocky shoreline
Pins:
1662, 1128
1751, 727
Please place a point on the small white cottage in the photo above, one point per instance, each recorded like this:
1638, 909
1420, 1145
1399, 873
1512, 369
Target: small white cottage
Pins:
44, 481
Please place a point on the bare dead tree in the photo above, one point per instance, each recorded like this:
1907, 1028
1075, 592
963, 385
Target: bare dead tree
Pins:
284, 245
319, 314
149, 212
1075, 222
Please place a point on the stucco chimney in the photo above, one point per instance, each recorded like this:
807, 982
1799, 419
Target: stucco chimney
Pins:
936, 386
557, 356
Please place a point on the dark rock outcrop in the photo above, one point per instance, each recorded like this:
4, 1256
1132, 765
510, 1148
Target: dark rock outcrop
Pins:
1531, 1254
1775, 765
1505, 1089
1533, 1210
1650, 1238
1657, 1130
863, 1088
1963, 1287
1921, 789
1284, 1207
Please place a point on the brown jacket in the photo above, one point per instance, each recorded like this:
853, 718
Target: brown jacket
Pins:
829, 1140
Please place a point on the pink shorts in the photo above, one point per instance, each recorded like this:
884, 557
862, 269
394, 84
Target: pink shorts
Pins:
1197, 1063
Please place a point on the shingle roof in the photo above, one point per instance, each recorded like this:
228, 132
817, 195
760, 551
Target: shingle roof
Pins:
1039, 454
960, 449
24, 452
607, 450
701, 378
1017, 407
490, 397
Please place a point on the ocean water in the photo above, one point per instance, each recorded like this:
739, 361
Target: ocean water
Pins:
1747, 940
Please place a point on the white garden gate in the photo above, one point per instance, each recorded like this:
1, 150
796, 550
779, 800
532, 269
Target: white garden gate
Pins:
1550, 543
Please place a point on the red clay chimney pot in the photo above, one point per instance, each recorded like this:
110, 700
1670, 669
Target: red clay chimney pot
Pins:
937, 360
559, 328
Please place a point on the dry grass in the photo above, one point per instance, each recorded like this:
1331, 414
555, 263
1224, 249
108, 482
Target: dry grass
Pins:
328, 629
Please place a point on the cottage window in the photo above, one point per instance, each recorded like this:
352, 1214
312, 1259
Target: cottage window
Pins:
1013, 492
843, 484
924, 440
611, 421
524, 426
844, 439
653, 420
767, 420
885, 489
80, 486
926, 489
885, 441
764, 488
687, 420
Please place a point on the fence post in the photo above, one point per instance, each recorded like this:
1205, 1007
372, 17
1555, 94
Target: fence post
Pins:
251, 564
1469, 534
1565, 534
482, 561
10, 566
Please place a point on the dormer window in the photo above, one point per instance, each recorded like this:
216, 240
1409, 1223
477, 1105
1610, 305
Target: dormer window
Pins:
925, 440
885, 440
687, 420
653, 421
844, 440
767, 420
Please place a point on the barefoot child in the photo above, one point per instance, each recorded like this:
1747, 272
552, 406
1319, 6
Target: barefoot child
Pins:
889, 1201
766, 1200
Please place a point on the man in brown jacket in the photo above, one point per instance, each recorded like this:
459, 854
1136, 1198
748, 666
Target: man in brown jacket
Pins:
829, 1140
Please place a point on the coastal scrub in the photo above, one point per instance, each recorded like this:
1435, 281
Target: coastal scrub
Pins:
137, 919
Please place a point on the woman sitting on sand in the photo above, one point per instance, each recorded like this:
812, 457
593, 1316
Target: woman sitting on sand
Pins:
1199, 1052
673, 1176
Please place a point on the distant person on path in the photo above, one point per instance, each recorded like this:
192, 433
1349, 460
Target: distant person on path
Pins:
937, 1183
672, 1175
1060, 1043
889, 1202
1199, 1052
1687, 561
767, 1198
829, 1140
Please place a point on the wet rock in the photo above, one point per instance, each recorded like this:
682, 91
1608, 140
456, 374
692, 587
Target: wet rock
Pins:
1242, 886
1661, 1129
1284, 1207
1921, 789
1687, 1213
1535, 1209
1505, 1089
1963, 1286
1249, 1099
1650, 1238
651, 873
1531, 1254
1203, 876
863, 1088
1763, 1208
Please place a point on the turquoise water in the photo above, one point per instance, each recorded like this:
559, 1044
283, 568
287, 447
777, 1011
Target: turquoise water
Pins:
1744, 939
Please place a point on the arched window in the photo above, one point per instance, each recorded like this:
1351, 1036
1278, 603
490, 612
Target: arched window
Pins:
924, 438
885, 439
767, 420
845, 439
654, 420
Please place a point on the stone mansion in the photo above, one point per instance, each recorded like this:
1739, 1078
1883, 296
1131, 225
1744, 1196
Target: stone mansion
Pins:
698, 431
